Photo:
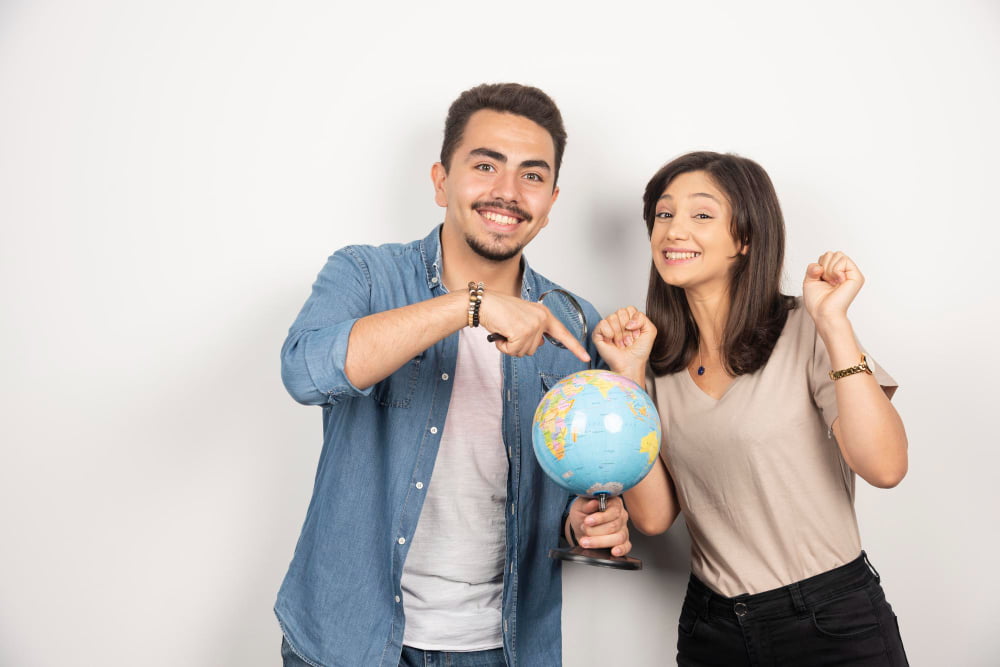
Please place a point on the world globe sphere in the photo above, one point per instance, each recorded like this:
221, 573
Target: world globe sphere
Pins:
596, 433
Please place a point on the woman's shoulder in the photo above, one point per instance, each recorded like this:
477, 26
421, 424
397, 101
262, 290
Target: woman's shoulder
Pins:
798, 320
799, 332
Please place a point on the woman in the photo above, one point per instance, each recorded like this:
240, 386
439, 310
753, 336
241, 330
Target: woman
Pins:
760, 444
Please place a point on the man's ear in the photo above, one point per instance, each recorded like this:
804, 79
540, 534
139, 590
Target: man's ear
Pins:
438, 177
544, 221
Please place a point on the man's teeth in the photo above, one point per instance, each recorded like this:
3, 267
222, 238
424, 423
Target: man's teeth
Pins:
681, 255
499, 219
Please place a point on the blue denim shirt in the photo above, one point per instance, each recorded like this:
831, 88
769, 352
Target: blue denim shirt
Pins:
340, 602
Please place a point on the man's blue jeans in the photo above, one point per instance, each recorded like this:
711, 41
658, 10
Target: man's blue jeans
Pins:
414, 657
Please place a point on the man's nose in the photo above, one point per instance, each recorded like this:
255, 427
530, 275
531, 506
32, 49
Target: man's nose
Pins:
505, 186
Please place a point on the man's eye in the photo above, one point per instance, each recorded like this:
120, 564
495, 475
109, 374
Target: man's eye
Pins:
484, 167
533, 177
664, 215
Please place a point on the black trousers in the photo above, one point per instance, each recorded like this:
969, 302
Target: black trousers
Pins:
840, 617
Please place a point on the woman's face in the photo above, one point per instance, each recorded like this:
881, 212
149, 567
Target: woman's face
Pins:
690, 241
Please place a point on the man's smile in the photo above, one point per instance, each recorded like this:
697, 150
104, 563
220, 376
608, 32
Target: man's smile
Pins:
499, 218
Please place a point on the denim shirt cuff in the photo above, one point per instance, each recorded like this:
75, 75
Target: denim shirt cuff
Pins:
326, 357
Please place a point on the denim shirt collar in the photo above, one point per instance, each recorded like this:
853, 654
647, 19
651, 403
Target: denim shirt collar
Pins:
430, 247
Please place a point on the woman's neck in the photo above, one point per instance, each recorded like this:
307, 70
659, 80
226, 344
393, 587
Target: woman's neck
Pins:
711, 312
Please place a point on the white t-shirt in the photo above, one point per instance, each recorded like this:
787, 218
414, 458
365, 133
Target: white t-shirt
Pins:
453, 575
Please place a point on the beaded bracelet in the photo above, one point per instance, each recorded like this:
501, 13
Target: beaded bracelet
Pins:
475, 300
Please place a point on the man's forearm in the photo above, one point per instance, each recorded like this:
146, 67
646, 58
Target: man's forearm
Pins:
381, 343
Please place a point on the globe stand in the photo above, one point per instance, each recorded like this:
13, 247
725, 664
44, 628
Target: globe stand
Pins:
599, 557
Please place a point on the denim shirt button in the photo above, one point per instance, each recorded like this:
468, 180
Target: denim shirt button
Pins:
434, 429
433, 280
444, 376
402, 540
419, 485
397, 599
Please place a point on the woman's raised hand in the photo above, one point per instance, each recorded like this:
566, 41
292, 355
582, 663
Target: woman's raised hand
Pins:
830, 285
624, 339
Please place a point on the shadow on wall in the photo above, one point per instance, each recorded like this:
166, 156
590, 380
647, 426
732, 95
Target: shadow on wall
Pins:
639, 609
617, 239
669, 555
282, 451
227, 478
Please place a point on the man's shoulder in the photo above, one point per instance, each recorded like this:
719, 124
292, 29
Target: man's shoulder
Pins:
388, 250
387, 255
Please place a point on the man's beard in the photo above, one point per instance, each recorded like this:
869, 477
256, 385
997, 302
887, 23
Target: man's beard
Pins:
494, 254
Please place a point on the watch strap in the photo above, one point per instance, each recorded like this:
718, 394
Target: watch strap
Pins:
862, 367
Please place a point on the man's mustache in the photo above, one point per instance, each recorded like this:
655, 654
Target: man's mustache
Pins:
499, 203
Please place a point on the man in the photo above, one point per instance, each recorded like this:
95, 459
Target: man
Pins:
396, 565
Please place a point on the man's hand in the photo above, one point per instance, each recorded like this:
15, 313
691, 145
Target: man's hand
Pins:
593, 529
522, 325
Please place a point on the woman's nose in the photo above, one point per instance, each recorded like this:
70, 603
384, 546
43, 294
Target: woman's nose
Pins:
674, 229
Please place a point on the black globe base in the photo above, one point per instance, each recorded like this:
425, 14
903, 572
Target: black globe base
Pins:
599, 557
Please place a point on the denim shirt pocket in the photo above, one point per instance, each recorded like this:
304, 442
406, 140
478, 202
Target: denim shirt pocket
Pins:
397, 390
550, 375
549, 380
554, 364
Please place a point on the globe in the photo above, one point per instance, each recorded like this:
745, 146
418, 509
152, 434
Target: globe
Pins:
596, 433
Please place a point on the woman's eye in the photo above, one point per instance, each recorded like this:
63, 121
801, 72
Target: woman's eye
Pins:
664, 215
703, 216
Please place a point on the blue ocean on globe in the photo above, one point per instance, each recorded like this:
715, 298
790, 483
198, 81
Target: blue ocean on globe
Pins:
596, 432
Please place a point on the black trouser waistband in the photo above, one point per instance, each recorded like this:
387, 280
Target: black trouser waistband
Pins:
789, 600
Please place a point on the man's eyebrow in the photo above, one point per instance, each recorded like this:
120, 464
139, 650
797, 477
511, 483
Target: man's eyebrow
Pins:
486, 152
500, 157
541, 164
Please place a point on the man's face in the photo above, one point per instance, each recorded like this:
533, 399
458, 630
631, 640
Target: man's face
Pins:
499, 188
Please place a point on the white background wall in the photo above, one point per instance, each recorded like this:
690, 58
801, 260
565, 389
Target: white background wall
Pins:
174, 174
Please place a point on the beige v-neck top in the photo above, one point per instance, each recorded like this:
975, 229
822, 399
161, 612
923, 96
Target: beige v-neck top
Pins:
767, 497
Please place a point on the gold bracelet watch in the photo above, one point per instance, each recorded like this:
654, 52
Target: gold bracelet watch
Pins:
864, 367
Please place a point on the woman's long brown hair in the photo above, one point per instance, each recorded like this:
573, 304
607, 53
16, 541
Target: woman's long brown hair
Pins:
757, 308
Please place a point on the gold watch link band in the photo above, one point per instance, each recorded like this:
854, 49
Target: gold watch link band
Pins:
862, 367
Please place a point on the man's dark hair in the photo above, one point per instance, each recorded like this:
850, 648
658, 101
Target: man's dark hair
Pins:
757, 308
513, 98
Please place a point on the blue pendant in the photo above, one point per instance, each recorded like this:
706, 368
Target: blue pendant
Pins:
701, 370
